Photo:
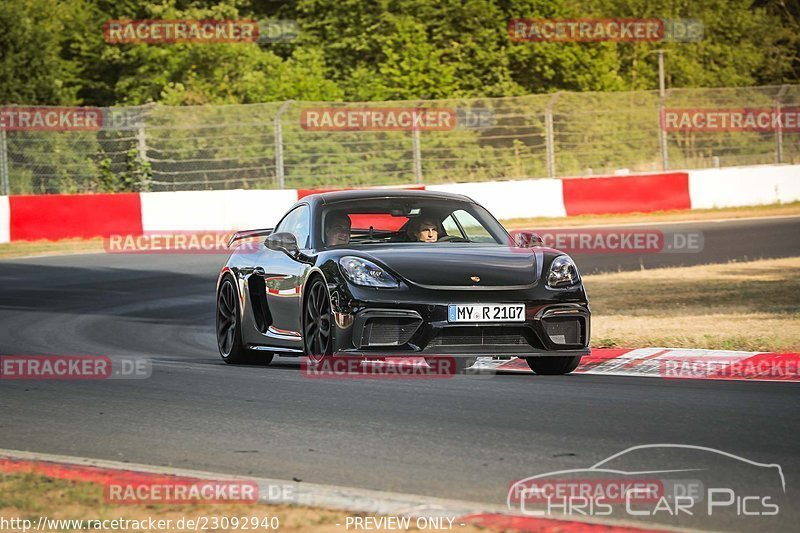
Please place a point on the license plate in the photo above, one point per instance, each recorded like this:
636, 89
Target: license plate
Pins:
486, 313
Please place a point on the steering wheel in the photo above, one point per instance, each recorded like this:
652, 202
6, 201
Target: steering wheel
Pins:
453, 238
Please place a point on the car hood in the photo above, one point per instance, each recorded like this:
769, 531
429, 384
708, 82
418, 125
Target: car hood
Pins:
455, 264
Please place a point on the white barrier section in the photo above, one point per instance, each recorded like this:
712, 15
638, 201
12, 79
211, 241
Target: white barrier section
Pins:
513, 199
743, 186
5, 219
214, 210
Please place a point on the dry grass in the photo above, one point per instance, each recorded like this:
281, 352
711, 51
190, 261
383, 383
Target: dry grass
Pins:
734, 306
45, 247
660, 216
30, 496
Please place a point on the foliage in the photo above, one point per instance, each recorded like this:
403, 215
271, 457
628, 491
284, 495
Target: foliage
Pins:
52, 52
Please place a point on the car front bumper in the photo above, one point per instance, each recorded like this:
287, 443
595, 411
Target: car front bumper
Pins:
370, 323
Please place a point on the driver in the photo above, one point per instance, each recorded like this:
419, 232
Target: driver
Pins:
337, 229
425, 230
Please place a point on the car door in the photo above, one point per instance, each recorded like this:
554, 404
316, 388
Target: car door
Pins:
283, 281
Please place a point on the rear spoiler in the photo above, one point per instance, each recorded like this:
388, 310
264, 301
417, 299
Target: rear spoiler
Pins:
246, 234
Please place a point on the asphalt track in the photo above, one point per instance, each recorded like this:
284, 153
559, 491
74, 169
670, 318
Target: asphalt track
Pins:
463, 438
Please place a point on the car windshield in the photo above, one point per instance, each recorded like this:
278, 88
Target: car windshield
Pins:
409, 220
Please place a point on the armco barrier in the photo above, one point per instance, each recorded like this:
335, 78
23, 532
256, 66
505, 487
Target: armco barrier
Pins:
67, 216
4, 219
214, 210
743, 186
70, 216
627, 194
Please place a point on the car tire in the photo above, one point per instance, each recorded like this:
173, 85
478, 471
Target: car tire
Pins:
317, 346
229, 329
553, 366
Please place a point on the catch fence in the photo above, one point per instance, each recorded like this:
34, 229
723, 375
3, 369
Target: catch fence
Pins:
290, 144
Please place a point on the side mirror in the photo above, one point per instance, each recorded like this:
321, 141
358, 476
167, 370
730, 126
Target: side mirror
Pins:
283, 242
527, 239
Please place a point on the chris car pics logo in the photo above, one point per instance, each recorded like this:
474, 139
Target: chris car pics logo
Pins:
684, 480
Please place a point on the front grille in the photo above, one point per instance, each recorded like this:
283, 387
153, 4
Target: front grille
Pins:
479, 335
564, 330
389, 331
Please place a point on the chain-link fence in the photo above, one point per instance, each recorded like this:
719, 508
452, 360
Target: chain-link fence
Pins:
278, 145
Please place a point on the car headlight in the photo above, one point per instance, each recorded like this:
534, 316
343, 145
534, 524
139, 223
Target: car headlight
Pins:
563, 273
366, 273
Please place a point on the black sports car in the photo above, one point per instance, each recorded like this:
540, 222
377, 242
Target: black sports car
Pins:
399, 273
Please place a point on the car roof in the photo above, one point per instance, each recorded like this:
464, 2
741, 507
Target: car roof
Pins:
360, 194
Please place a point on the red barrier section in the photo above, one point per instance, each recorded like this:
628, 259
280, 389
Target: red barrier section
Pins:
627, 194
64, 216
378, 221
301, 193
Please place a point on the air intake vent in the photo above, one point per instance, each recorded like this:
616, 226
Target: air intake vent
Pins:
477, 335
564, 330
389, 331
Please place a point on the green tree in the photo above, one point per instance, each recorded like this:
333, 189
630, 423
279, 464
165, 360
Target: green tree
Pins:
31, 46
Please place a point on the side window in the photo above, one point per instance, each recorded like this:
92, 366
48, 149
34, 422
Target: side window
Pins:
297, 224
451, 228
474, 229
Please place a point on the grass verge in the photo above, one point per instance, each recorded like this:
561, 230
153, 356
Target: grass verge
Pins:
773, 210
31, 496
750, 306
44, 247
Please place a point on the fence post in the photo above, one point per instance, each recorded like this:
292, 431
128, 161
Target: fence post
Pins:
779, 129
141, 143
662, 100
415, 149
141, 148
549, 140
279, 169
662, 136
3, 163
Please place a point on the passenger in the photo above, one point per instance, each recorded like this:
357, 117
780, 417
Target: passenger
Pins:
337, 229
